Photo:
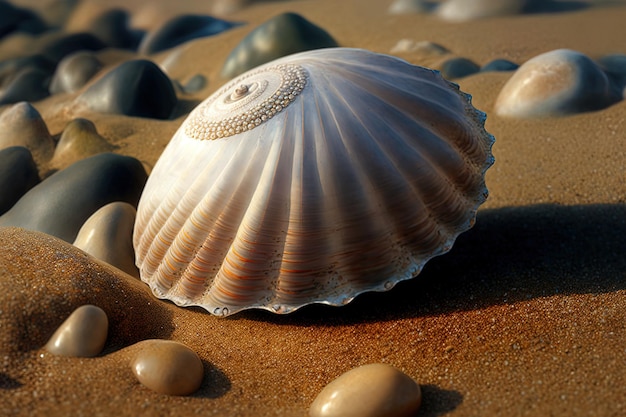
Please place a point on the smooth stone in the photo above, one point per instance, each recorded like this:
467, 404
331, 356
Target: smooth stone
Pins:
410, 6
282, 35
74, 71
555, 83
61, 203
58, 47
30, 84
458, 67
11, 67
82, 335
134, 88
79, 140
418, 47
195, 84
182, 29
373, 390
112, 27
16, 19
499, 65
168, 367
614, 66
18, 174
225, 7
22, 125
108, 235
464, 10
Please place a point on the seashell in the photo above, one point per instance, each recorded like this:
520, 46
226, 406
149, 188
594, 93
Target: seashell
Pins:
168, 367
311, 179
376, 389
83, 334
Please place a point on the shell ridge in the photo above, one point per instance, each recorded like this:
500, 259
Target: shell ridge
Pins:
235, 275
218, 196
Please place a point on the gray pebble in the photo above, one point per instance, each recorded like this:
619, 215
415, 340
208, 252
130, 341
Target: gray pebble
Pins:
74, 71
282, 35
134, 88
18, 174
61, 203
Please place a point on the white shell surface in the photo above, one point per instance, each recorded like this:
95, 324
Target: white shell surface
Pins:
311, 179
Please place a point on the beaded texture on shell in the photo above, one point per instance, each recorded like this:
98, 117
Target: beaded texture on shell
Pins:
311, 179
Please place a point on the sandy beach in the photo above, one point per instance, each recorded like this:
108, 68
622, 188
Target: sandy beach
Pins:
525, 316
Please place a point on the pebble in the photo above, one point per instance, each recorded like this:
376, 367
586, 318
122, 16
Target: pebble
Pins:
113, 29
134, 88
168, 367
285, 34
499, 65
29, 84
59, 46
182, 29
614, 66
373, 390
409, 6
22, 125
555, 83
464, 10
458, 67
419, 47
61, 203
195, 84
108, 235
79, 140
9, 68
83, 334
74, 71
18, 174
16, 19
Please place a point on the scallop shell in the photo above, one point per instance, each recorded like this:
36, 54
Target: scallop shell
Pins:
311, 179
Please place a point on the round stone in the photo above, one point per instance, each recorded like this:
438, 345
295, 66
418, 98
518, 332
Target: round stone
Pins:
79, 140
458, 67
555, 83
107, 235
74, 71
83, 334
168, 367
372, 390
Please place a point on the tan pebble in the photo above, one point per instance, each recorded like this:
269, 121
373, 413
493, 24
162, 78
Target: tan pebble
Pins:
22, 125
107, 235
82, 334
168, 367
373, 390
79, 140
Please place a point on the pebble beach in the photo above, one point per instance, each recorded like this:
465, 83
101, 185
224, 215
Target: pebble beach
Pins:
524, 316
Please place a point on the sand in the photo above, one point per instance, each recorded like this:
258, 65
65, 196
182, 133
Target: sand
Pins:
525, 316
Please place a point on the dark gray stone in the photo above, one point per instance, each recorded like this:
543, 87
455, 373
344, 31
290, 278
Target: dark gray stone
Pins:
182, 29
30, 84
134, 88
60, 204
74, 71
282, 35
458, 67
500, 65
18, 174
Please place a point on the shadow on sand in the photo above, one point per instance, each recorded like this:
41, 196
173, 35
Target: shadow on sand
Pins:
511, 254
